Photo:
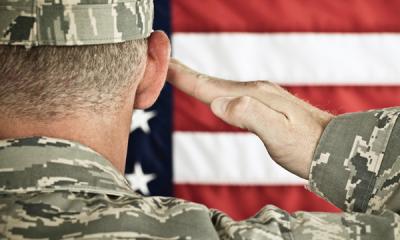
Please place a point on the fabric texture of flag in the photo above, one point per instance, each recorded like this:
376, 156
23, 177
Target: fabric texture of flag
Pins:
342, 56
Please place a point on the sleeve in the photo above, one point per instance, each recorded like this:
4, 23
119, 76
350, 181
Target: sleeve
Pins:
356, 167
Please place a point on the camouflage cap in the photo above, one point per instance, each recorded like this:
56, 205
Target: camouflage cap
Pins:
74, 22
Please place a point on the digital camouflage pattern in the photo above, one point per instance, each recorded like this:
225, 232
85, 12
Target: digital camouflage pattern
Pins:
58, 189
74, 22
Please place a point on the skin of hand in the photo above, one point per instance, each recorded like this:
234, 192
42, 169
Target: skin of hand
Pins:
289, 127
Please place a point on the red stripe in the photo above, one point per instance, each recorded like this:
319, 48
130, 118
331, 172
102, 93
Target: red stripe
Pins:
192, 115
241, 202
285, 16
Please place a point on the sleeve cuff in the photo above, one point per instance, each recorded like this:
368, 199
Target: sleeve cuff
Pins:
348, 160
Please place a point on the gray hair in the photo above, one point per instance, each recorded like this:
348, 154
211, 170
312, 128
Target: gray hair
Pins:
52, 82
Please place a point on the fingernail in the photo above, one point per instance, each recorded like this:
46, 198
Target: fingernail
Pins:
219, 105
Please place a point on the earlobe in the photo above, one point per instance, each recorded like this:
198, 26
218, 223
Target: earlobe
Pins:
155, 73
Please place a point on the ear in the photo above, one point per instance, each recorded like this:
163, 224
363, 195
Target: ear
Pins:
155, 73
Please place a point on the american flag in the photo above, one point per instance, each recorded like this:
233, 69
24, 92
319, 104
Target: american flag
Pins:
340, 55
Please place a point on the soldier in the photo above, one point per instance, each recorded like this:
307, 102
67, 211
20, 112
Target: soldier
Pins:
71, 73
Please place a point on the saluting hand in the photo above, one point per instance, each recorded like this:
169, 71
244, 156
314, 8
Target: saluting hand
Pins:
289, 127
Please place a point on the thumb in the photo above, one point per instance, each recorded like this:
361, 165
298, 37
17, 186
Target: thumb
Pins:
229, 109
237, 111
219, 106
246, 112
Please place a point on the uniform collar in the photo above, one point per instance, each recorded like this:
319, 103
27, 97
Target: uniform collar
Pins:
49, 164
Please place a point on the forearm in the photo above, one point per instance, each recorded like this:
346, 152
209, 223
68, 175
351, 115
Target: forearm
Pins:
356, 163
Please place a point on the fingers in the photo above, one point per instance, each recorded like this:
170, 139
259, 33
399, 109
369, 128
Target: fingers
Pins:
248, 113
206, 88
200, 86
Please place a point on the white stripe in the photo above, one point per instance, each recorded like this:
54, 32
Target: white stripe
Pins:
297, 58
226, 158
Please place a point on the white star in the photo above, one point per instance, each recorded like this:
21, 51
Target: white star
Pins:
139, 180
140, 119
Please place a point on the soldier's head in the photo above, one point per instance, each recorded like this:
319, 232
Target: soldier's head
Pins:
78, 56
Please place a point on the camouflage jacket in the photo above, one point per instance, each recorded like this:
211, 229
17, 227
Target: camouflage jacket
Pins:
57, 189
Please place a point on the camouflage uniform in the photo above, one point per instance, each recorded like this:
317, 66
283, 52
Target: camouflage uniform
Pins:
74, 22
58, 189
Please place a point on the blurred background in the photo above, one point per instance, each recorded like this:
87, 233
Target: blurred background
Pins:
342, 56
